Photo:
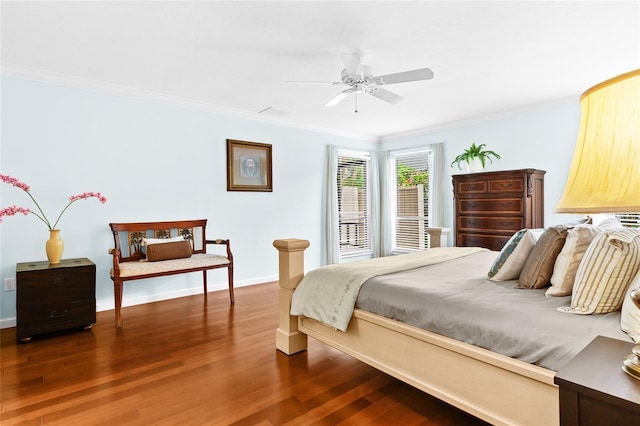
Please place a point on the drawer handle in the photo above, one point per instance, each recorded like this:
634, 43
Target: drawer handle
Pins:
59, 313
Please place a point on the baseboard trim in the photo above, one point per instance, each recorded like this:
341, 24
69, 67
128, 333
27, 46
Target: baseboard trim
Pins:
109, 305
8, 322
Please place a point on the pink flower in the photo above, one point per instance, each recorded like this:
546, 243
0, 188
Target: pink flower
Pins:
13, 210
86, 195
15, 182
10, 211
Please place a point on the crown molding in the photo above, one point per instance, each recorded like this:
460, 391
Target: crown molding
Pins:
66, 80
569, 100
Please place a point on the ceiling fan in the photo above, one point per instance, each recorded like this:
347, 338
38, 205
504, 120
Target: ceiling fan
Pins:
360, 79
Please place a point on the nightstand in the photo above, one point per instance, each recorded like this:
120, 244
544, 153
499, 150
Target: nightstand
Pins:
593, 388
54, 297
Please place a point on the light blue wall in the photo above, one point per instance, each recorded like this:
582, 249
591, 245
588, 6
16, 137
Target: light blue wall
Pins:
541, 138
160, 162
152, 162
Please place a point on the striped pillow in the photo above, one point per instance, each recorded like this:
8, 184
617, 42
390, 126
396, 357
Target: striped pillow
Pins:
605, 272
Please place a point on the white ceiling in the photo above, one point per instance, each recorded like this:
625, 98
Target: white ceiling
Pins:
234, 57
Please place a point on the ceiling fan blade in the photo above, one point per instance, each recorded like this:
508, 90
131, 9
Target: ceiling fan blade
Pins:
405, 77
352, 63
330, 83
338, 98
385, 95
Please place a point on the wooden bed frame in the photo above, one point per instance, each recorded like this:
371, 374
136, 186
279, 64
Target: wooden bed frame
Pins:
490, 386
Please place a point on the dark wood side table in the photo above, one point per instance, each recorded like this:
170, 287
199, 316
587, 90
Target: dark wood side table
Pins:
593, 388
55, 297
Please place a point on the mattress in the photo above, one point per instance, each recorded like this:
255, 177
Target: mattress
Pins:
456, 299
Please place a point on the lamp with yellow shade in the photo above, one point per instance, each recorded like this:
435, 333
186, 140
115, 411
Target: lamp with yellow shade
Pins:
605, 171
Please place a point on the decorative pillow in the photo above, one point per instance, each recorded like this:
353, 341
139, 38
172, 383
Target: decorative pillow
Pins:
513, 255
585, 221
567, 262
610, 224
538, 268
605, 272
149, 241
630, 316
170, 250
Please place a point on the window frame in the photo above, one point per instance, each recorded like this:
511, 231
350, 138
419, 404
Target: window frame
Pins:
365, 156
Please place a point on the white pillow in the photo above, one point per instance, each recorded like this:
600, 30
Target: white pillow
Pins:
630, 316
610, 224
567, 262
149, 241
605, 272
513, 255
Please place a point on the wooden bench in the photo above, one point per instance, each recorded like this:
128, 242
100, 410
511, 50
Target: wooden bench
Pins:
130, 260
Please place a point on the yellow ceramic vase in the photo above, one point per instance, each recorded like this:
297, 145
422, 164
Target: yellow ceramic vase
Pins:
54, 246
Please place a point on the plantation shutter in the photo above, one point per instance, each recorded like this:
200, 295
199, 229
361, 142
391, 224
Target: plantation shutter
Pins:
353, 203
412, 200
630, 220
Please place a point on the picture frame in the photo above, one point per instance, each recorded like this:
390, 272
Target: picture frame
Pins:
249, 166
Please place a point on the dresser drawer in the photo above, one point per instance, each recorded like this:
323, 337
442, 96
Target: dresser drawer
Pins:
494, 185
492, 242
507, 185
47, 318
471, 223
57, 285
491, 205
59, 313
472, 187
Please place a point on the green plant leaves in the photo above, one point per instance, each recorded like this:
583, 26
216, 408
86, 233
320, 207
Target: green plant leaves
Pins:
475, 151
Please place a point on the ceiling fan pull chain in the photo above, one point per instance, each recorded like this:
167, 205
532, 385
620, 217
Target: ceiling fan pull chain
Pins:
356, 110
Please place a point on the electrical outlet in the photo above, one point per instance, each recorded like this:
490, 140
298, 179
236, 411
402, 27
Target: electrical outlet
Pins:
9, 284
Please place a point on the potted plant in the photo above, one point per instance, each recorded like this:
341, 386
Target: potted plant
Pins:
475, 156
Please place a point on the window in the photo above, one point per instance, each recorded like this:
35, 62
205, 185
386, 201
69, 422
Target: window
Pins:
411, 195
353, 203
630, 220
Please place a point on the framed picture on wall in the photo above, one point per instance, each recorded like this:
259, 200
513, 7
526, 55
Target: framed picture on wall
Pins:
248, 166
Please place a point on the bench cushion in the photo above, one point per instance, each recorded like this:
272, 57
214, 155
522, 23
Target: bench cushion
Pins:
143, 267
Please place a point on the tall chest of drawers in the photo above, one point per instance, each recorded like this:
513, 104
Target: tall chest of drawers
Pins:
491, 206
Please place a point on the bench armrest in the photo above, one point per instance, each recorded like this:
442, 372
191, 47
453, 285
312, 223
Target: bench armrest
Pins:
226, 243
116, 261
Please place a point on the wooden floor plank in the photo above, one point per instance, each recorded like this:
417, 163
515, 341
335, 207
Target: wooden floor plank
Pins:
200, 361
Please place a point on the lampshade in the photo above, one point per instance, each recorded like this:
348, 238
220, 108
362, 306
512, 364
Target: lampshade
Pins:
605, 172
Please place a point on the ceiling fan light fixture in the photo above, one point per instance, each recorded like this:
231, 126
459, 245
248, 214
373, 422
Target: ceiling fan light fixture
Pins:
359, 78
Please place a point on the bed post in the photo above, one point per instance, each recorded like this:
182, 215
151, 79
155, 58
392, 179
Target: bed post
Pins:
291, 270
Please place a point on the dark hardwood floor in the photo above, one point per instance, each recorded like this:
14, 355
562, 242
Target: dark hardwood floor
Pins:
196, 361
